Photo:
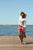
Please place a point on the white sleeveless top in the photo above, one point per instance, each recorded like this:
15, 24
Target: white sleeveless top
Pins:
22, 21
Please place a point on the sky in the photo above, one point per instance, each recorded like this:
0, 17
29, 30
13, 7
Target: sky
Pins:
10, 11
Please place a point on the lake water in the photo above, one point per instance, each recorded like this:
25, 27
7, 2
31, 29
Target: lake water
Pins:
13, 30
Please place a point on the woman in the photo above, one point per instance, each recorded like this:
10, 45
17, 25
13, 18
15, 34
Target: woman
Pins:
21, 26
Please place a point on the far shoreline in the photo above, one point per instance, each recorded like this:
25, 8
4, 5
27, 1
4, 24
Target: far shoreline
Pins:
14, 25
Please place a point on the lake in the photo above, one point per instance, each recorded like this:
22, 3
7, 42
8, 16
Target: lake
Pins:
13, 30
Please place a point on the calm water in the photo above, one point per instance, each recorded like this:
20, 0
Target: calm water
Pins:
13, 30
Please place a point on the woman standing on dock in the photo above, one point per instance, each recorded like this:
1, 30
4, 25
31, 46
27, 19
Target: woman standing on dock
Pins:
21, 26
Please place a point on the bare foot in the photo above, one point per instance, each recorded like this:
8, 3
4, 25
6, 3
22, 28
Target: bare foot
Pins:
23, 43
20, 43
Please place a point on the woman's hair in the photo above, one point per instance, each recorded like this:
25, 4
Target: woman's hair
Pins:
24, 16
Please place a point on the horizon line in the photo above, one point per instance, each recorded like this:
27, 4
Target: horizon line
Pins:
9, 24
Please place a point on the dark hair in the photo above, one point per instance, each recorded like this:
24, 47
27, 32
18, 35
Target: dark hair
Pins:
24, 16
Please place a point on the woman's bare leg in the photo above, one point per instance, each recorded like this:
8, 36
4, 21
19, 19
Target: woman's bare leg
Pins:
20, 36
24, 36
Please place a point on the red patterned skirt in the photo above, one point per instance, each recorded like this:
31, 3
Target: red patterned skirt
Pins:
22, 29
